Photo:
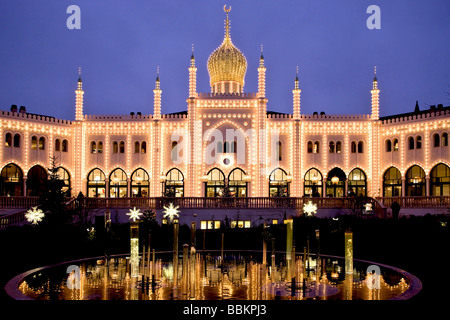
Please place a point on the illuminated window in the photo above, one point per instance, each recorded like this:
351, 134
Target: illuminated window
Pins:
137, 147
331, 148
310, 147
34, 143
93, 147
241, 224
100, 147
8, 140
209, 224
395, 144
274, 221
445, 139
338, 147
419, 142
316, 147
41, 143
143, 147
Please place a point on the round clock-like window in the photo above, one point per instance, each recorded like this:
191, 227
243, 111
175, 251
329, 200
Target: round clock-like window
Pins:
226, 161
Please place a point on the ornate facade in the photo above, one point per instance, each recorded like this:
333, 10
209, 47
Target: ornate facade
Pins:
227, 142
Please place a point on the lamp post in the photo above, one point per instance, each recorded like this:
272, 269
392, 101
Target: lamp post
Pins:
171, 214
134, 241
289, 241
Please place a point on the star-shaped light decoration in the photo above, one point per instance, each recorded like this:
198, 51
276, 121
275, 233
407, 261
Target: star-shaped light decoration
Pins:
134, 214
310, 208
171, 212
34, 215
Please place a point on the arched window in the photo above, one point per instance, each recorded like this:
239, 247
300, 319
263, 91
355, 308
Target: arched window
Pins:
353, 147
411, 143
415, 181
279, 150
36, 181
388, 145
313, 183
237, 183
8, 140
34, 142
41, 143
174, 184
445, 139
392, 183
96, 184
174, 152
118, 185
234, 147
115, 147
357, 183
17, 140
64, 177
57, 145
143, 147
139, 183
215, 183
100, 147
338, 147
419, 142
331, 148
65, 146
440, 180
11, 181
278, 183
93, 147
122, 147
137, 147
361, 147
316, 147
395, 144
437, 140
219, 147
310, 147
336, 183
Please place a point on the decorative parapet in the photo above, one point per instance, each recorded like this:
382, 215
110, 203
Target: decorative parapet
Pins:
416, 117
335, 117
34, 117
209, 95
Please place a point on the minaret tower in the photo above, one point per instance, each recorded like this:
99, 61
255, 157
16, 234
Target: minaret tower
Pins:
192, 76
79, 98
261, 76
375, 97
296, 94
157, 98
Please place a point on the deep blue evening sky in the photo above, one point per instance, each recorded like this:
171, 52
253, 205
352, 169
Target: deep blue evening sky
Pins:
122, 42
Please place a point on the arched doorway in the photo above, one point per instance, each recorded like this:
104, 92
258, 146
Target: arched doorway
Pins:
36, 181
139, 183
96, 184
237, 183
440, 180
215, 183
11, 181
118, 185
313, 183
357, 184
336, 183
174, 183
392, 183
278, 183
415, 181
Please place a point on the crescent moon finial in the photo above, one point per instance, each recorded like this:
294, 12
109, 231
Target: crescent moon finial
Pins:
225, 8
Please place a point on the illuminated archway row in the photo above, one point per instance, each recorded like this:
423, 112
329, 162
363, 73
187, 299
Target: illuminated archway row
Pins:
12, 180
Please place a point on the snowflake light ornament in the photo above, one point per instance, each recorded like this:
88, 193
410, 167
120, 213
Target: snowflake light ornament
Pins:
310, 208
134, 214
171, 212
34, 215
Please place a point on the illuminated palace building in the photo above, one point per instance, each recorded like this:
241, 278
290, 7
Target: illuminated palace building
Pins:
228, 143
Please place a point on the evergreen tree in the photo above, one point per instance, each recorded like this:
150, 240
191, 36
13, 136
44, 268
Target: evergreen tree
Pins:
53, 200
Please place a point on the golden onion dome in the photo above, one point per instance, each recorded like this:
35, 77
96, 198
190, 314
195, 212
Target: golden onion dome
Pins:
227, 63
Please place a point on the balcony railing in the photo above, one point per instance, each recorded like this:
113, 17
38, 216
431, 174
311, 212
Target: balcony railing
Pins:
18, 202
417, 202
